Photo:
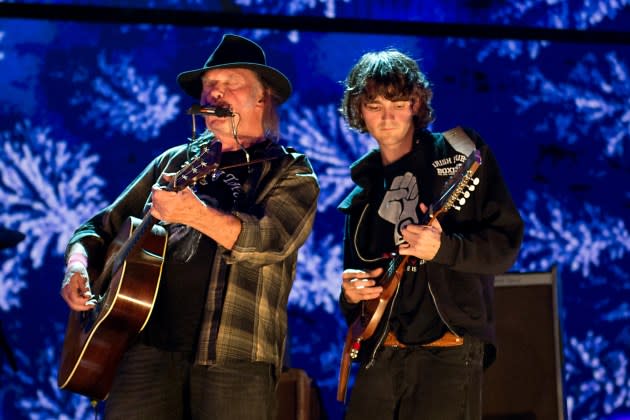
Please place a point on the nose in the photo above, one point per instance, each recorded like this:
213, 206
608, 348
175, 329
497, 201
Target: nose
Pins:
216, 92
388, 113
212, 92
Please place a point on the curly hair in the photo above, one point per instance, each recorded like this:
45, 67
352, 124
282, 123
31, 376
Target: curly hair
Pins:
390, 74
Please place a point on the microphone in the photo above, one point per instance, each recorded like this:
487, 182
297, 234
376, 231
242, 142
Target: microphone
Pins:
217, 111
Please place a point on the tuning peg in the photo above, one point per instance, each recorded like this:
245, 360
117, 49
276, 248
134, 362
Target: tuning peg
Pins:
457, 208
476, 181
466, 194
462, 201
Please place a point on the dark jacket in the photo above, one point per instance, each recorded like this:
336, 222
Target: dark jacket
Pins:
478, 241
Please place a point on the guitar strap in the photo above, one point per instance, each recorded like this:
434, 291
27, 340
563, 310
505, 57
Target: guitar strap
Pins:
462, 143
459, 140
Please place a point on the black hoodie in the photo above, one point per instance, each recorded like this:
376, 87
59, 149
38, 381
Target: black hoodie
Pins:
479, 241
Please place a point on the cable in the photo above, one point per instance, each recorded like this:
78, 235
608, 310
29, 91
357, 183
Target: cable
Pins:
235, 135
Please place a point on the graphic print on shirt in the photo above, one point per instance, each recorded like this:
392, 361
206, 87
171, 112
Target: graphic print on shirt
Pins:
222, 192
400, 203
447, 166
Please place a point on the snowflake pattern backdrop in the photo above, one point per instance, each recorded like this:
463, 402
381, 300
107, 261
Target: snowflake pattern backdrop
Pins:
85, 106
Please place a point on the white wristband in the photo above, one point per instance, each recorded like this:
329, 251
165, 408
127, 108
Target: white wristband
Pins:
80, 258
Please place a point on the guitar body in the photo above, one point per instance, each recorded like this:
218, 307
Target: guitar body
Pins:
96, 340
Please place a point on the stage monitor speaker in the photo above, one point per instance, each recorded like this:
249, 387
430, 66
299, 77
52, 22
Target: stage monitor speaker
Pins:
525, 381
298, 398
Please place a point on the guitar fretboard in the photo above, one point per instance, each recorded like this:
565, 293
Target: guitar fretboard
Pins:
145, 226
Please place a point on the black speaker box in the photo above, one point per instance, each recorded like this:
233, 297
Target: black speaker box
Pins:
525, 381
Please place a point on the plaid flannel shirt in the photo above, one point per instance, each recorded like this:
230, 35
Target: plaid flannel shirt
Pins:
253, 322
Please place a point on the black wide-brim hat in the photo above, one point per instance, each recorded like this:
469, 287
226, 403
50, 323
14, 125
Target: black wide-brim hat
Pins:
237, 51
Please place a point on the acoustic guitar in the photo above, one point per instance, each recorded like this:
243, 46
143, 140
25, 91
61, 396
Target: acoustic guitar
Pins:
453, 195
125, 291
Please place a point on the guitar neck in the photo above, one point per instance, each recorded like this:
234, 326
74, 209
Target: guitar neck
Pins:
114, 263
144, 227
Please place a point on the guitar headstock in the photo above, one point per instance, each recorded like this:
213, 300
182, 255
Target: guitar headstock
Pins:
206, 162
458, 188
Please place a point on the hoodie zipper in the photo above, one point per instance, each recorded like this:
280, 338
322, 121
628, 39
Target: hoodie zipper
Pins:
385, 330
437, 308
393, 301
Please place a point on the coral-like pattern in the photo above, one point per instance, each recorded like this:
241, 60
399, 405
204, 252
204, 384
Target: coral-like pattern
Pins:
86, 105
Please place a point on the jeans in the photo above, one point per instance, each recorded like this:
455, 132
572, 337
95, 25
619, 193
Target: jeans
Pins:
155, 384
419, 383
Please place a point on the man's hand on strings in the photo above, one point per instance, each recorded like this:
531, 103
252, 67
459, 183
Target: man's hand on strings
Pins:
75, 288
175, 207
421, 241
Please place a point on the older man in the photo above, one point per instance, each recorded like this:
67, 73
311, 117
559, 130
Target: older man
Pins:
213, 345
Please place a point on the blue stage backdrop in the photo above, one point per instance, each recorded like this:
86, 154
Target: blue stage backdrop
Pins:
86, 105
